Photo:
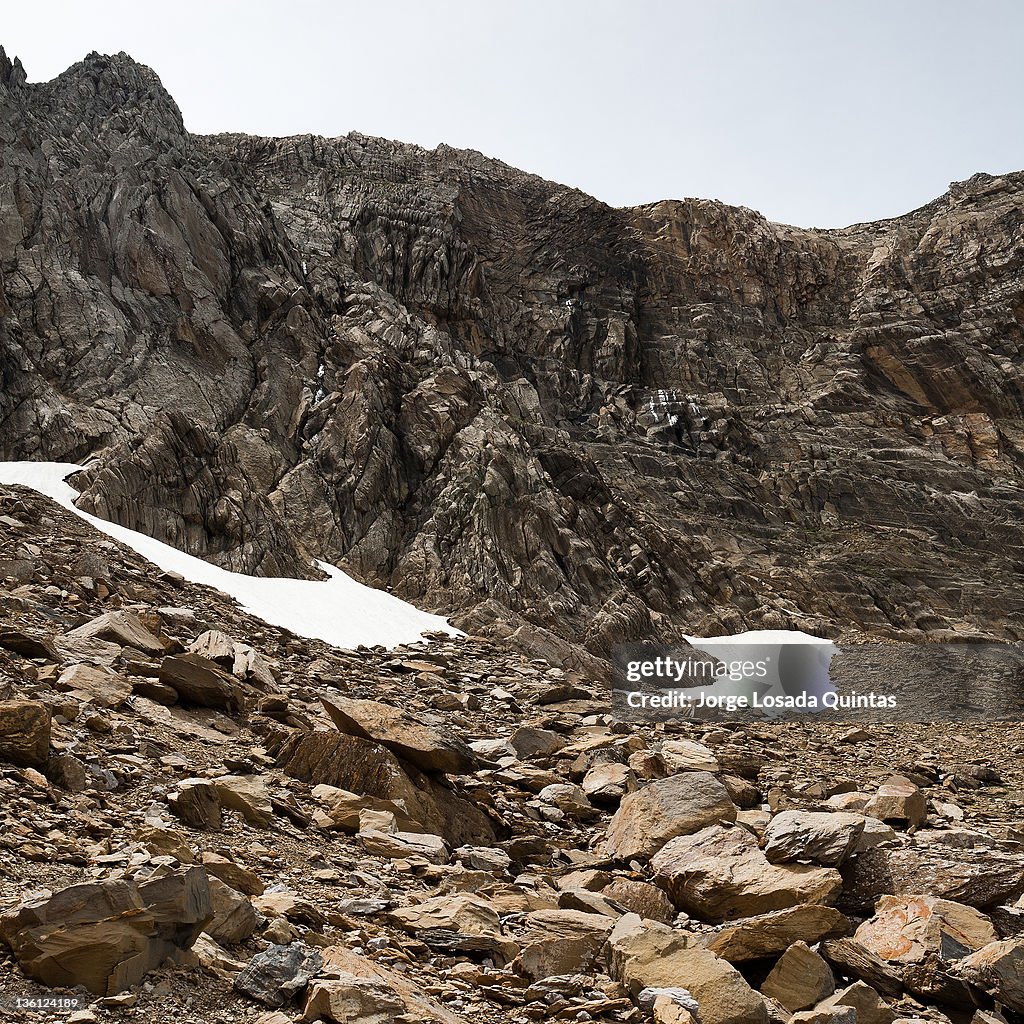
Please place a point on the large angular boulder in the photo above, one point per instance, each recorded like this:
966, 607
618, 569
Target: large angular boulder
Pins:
754, 938
199, 681
560, 942
425, 744
24, 733
720, 874
360, 766
458, 924
997, 969
679, 805
799, 979
640, 898
899, 801
723, 995
241, 660
980, 876
818, 836
107, 935
246, 794
279, 973
120, 627
351, 999
869, 1006
906, 929
94, 685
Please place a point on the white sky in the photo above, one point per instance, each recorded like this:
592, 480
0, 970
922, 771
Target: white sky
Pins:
816, 112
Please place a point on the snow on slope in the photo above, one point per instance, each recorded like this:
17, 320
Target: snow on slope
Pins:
339, 610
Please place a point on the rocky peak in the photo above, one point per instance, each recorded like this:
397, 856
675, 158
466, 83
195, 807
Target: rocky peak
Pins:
12, 74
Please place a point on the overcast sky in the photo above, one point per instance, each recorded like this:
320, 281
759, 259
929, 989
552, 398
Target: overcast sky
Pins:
816, 112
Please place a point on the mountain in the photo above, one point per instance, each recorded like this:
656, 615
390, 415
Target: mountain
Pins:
560, 423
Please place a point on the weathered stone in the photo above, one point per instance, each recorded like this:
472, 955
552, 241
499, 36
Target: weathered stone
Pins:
869, 1005
682, 804
640, 898
720, 875
275, 976
107, 935
359, 766
196, 803
27, 645
246, 794
981, 877
822, 837
997, 969
99, 686
753, 938
349, 999
234, 917
799, 979
196, 680
906, 929
405, 844
559, 942
898, 800
238, 877
24, 733
424, 744
121, 627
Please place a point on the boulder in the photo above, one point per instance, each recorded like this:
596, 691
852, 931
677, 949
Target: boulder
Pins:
399, 845
24, 733
799, 979
530, 742
997, 969
199, 681
234, 917
360, 766
241, 660
238, 877
640, 898
906, 929
679, 805
195, 802
120, 627
275, 976
720, 874
94, 685
980, 876
819, 836
605, 784
107, 935
898, 801
246, 794
688, 756
723, 996
350, 999
754, 938
459, 923
559, 942
850, 959
423, 743
870, 1007
27, 645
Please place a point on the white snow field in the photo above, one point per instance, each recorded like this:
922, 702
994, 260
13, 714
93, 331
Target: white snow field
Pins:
338, 610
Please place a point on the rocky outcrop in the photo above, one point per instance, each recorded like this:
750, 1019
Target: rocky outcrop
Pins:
569, 425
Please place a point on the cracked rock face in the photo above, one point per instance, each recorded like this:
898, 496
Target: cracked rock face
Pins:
566, 424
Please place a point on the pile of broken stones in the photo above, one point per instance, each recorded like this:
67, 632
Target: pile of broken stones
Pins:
204, 818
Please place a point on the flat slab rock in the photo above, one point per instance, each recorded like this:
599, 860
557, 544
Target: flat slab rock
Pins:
430, 747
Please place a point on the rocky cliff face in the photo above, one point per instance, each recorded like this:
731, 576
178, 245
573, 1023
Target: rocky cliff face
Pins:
564, 423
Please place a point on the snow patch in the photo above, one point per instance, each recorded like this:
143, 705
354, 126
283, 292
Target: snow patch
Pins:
339, 610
